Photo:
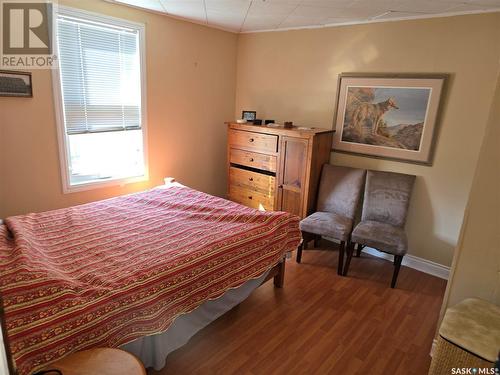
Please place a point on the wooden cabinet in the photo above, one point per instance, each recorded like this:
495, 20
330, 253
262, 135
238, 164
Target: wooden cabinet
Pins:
273, 168
293, 174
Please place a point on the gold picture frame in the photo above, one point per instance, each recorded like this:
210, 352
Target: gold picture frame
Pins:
390, 116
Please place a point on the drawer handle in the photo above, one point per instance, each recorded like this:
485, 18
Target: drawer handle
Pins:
251, 159
249, 197
250, 179
251, 140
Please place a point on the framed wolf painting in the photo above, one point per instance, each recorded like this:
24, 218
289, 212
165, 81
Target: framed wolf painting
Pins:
388, 116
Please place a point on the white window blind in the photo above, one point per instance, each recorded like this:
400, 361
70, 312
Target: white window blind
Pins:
100, 76
100, 92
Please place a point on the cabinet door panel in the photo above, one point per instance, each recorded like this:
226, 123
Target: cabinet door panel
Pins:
292, 176
291, 201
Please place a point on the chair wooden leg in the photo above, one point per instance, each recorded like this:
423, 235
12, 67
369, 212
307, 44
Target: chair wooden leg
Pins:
350, 250
358, 251
306, 237
397, 265
340, 267
299, 252
317, 238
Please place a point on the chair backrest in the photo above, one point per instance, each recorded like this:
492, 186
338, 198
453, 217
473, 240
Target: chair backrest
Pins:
340, 189
387, 196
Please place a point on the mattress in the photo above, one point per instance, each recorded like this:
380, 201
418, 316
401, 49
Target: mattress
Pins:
106, 273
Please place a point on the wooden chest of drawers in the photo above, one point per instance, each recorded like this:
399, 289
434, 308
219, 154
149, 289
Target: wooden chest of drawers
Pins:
273, 168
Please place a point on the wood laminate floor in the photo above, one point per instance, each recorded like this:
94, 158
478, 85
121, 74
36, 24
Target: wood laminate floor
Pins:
321, 323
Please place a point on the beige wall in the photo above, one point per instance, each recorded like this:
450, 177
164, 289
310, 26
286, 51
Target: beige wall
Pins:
292, 75
476, 266
191, 79
190, 93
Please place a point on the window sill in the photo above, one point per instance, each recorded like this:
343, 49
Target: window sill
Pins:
67, 188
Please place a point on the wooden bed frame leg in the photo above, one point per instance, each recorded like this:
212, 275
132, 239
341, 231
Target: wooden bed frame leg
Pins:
279, 279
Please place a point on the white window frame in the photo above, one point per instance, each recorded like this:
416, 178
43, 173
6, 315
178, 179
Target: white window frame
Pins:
64, 155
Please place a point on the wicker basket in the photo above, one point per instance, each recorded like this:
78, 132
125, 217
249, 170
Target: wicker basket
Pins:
448, 356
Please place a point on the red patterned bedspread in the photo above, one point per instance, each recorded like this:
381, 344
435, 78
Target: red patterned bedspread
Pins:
106, 273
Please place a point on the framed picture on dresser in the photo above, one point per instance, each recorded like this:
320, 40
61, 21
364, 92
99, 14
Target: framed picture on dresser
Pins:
249, 115
393, 116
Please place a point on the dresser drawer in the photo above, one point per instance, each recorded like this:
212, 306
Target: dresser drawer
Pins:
252, 180
253, 159
251, 198
253, 141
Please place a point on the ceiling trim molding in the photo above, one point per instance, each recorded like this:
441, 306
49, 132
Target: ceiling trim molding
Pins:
377, 20
395, 19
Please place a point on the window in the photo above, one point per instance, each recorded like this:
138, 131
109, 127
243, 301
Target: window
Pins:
99, 85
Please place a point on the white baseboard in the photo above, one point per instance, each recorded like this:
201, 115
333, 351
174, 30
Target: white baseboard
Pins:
420, 264
433, 347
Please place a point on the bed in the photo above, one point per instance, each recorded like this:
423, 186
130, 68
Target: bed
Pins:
120, 272
153, 350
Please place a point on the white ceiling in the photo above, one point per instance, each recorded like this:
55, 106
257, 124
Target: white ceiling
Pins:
257, 15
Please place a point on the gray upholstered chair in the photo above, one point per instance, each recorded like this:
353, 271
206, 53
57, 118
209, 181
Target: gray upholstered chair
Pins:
339, 192
385, 205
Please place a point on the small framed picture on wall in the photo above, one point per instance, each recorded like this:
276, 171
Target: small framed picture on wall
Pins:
15, 84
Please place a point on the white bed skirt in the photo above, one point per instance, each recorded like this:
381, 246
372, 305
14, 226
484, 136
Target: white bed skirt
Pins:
153, 350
